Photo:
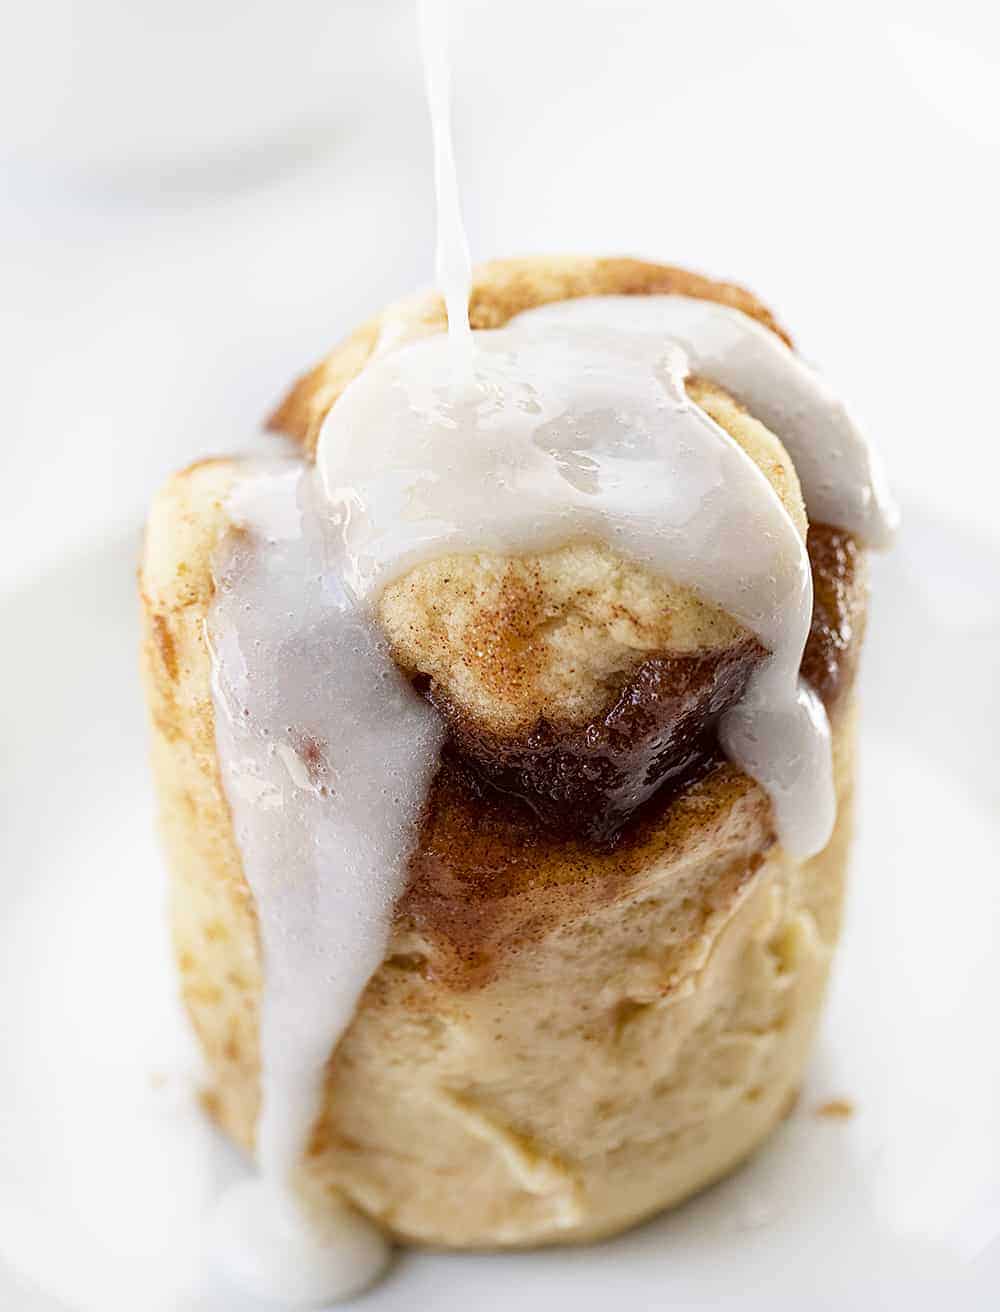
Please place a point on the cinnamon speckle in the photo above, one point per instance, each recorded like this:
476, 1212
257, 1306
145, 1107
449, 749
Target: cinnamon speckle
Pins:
836, 1109
165, 645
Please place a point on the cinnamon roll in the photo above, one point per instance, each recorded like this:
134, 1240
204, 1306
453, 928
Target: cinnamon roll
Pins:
503, 732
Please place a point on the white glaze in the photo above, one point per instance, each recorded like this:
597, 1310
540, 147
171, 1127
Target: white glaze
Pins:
268, 1248
326, 755
453, 266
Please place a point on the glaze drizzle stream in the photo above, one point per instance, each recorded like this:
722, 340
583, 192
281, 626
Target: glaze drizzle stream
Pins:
452, 264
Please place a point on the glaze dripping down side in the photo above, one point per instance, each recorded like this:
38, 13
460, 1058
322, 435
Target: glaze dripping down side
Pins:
326, 755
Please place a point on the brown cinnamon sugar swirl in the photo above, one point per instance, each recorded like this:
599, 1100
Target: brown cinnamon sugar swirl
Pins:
604, 974
659, 733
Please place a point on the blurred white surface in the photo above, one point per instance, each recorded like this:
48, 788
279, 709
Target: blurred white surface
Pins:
840, 160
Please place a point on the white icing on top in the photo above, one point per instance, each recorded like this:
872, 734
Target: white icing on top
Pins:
563, 432
326, 756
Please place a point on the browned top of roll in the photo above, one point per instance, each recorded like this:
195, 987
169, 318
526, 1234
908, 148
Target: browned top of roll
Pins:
500, 290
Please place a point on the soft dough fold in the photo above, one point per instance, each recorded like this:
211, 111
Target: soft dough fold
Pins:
571, 1029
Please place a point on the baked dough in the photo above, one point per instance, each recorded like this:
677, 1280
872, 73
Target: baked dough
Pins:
572, 1037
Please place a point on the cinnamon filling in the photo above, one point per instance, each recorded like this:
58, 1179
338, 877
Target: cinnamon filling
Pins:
573, 814
586, 781
830, 659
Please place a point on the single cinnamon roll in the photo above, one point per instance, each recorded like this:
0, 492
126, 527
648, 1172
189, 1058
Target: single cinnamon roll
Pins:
605, 970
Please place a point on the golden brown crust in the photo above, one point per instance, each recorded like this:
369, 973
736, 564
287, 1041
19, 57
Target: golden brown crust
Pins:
501, 289
212, 913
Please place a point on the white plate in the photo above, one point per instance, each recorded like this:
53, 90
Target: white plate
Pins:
107, 1169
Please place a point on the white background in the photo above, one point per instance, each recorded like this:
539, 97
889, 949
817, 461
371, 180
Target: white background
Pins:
199, 198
